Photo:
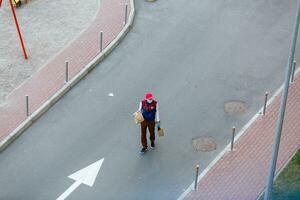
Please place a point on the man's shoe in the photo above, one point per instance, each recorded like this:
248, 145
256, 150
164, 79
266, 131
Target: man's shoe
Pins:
143, 150
152, 145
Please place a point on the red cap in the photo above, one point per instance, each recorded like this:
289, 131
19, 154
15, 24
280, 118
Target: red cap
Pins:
149, 96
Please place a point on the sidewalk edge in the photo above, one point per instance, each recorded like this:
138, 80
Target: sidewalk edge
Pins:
227, 148
76, 79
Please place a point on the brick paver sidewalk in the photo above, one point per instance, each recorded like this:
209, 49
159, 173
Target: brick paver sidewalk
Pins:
44, 84
241, 174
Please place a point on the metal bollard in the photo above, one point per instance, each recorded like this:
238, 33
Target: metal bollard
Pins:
293, 71
233, 136
101, 41
27, 105
265, 103
196, 177
126, 13
67, 71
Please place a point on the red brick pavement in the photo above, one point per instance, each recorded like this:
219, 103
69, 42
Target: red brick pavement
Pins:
45, 83
241, 174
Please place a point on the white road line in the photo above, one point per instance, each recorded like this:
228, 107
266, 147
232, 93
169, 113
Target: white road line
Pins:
85, 176
69, 191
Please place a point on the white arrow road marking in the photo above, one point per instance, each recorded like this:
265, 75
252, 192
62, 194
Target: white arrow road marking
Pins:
86, 176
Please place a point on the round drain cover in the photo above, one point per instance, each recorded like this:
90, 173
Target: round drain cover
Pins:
235, 107
204, 143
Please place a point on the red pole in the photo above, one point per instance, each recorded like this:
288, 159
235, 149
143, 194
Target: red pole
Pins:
19, 32
0, 3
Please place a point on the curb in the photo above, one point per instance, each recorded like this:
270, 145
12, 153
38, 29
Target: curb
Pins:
68, 86
227, 148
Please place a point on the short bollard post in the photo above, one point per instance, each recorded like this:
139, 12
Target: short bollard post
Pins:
293, 71
101, 41
196, 177
67, 71
265, 103
126, 13
232, 139
27, 105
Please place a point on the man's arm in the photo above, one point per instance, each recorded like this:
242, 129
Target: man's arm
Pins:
157, 114
140, 107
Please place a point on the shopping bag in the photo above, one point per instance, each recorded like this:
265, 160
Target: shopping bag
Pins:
138, 117
160, 132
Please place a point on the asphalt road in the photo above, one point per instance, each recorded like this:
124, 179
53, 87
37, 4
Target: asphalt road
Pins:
194, 56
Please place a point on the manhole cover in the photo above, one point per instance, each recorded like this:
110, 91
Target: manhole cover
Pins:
235, 107
204, 144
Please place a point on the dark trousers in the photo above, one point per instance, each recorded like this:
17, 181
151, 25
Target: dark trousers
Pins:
151, 127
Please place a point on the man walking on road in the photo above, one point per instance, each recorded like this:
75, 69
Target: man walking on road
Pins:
149, 109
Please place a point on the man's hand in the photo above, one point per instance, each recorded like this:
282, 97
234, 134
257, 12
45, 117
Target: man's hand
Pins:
158, 124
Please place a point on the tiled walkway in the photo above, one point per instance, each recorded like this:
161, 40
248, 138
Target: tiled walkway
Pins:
241, 174
45, 83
